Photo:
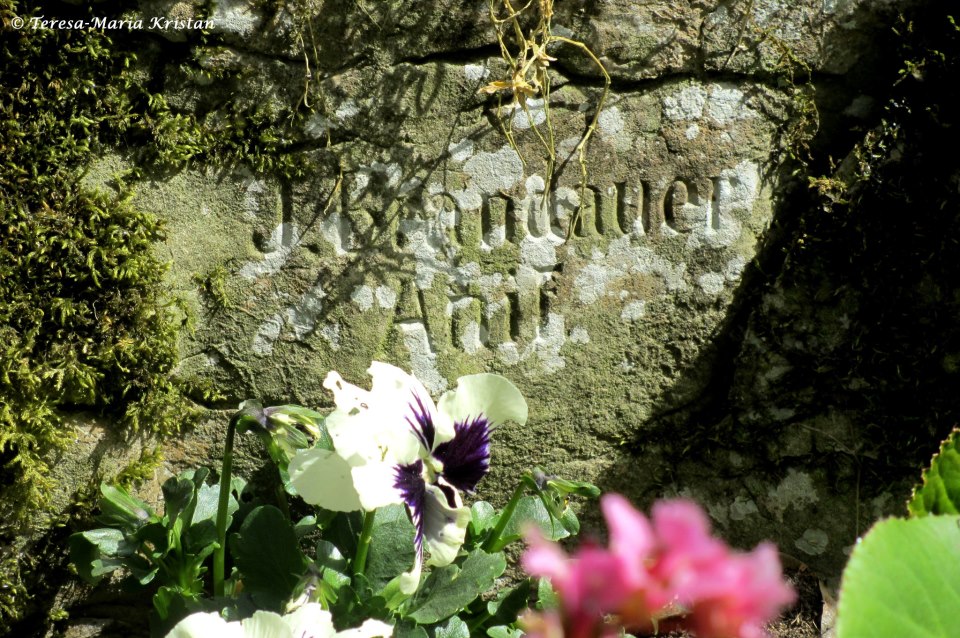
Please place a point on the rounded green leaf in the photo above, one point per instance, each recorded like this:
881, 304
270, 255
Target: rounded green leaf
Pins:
903, 579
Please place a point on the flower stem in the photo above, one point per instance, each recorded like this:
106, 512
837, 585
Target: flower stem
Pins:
363, 545
219, 554
494, 543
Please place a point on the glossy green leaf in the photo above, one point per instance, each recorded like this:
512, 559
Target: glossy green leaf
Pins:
903, 579
267, 555
203, 522
940, 491
501, 631
451, 588
119, 509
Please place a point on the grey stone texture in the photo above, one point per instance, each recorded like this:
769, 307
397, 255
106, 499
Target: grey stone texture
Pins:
417, 235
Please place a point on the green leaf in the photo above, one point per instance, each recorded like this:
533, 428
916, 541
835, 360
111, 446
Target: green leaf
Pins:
546, 596
903, 579
449, 589
99, 551
531, 512
483, 518
504, 632
453, 628
268, 557
940, 492
179, 498
120, 509
392, 550
409, 630
203, 522
509, 603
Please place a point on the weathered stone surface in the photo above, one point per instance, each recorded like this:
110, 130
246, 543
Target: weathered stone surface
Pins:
419, 236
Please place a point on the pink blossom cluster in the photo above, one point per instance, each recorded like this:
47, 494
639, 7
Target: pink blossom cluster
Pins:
669, 570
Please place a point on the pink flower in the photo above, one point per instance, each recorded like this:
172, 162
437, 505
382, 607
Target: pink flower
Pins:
645, 568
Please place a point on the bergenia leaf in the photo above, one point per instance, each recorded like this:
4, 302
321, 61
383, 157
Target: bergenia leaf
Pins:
903, 579
451, 588
940, 492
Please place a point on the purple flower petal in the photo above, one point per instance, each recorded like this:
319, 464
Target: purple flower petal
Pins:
466, 457
422, 423
410, 483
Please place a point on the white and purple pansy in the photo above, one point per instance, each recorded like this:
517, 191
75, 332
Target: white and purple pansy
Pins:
309, 621
394, 445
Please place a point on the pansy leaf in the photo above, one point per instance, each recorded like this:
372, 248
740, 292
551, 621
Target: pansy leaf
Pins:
305, 525
179, 498
119, 509
449, 589
500, 631
452, 628
392, 549
546, 596
531, 512
903, 579
329, 557
482, 519
203, 523
406, 629
940, 492
509, 603
268, 557
99, 551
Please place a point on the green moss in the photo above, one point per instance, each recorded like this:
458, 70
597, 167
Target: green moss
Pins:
85, 322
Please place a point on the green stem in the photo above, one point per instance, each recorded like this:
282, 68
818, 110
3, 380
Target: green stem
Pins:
363, 545
494, 543
219, 554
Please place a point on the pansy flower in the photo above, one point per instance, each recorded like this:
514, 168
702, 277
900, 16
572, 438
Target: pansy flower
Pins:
393, 444
309, 621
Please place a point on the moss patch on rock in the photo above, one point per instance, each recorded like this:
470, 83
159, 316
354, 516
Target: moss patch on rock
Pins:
85, 324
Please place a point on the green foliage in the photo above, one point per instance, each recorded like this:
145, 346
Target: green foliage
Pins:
940, 491
84, 321
903, 579
268, 557
450, 589
167, 551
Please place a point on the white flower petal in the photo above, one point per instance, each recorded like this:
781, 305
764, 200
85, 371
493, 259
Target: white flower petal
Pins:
395, 393
444, 527
369, 629
323, 478
310, 621
488, 395
374, 482
266, 624
410, 581
205, 625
